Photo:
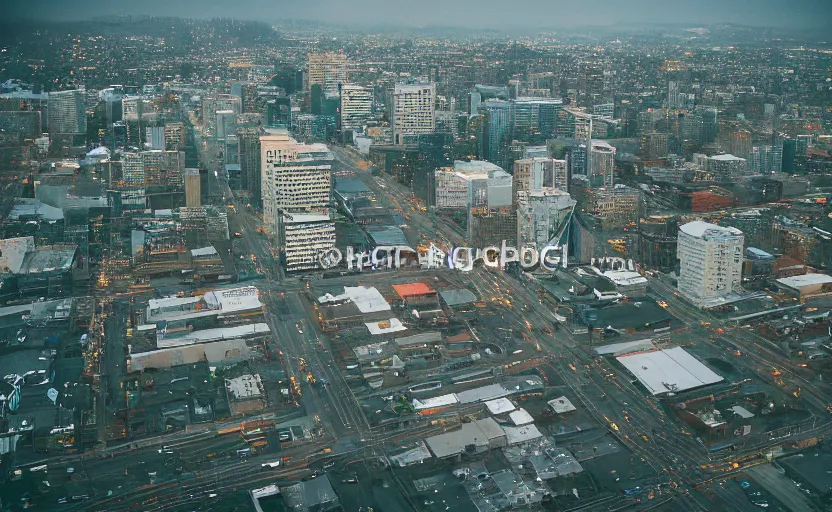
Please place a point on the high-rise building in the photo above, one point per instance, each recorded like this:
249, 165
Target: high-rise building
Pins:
193, 188
673, 96
155, 137
231, 151
602, 164
802, 145
710, 260
766, 159
164, 168
17, 125
654, 145
727, 167
474, 184
604, 110
304, 237
356, 107
66, 112
249, 99
413, 110
710, 125
132, 169
540, 215
691, 128
226, 123
498, 127
295, 177
576, 160
480, 93
327, 70
174, 135
789, 151
248, 157
594, 86
535, 118
154, 167
532, 174
737, 143
646, 121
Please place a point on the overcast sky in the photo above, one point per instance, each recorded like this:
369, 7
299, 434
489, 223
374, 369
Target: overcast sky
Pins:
468, 13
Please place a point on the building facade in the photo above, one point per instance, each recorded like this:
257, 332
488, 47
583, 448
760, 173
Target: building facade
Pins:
356, 107
602, 164
66, 112
413, 110
295, 178
532, 174
327, 70
304, 237
710, 260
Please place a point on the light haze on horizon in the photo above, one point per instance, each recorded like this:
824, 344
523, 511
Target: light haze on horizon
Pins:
463, 13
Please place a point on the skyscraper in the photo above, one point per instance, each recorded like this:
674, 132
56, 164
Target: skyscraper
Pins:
327, 70
535, 117
498, 127
248, 151
710, 125
673, 97
533, 174
66, 112
356, 107
296, 187
295, 177
789, 150
576, 159
413, 110
193, 188
602, 164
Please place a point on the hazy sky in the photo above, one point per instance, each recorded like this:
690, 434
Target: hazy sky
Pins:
469, 13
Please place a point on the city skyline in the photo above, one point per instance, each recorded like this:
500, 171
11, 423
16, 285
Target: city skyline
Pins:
458, 13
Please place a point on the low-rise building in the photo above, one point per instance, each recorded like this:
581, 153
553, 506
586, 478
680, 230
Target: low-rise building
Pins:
805, 286
245, 394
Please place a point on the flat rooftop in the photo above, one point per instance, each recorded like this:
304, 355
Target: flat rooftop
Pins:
804, 280
669, 371
699, 229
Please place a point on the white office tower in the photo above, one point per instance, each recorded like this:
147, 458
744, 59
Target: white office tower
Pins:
296, 184
327, 70
356, 107
710, 260
413, 110
65, 112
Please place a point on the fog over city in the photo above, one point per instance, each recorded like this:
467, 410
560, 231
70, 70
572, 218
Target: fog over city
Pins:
464, 13
416, 256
